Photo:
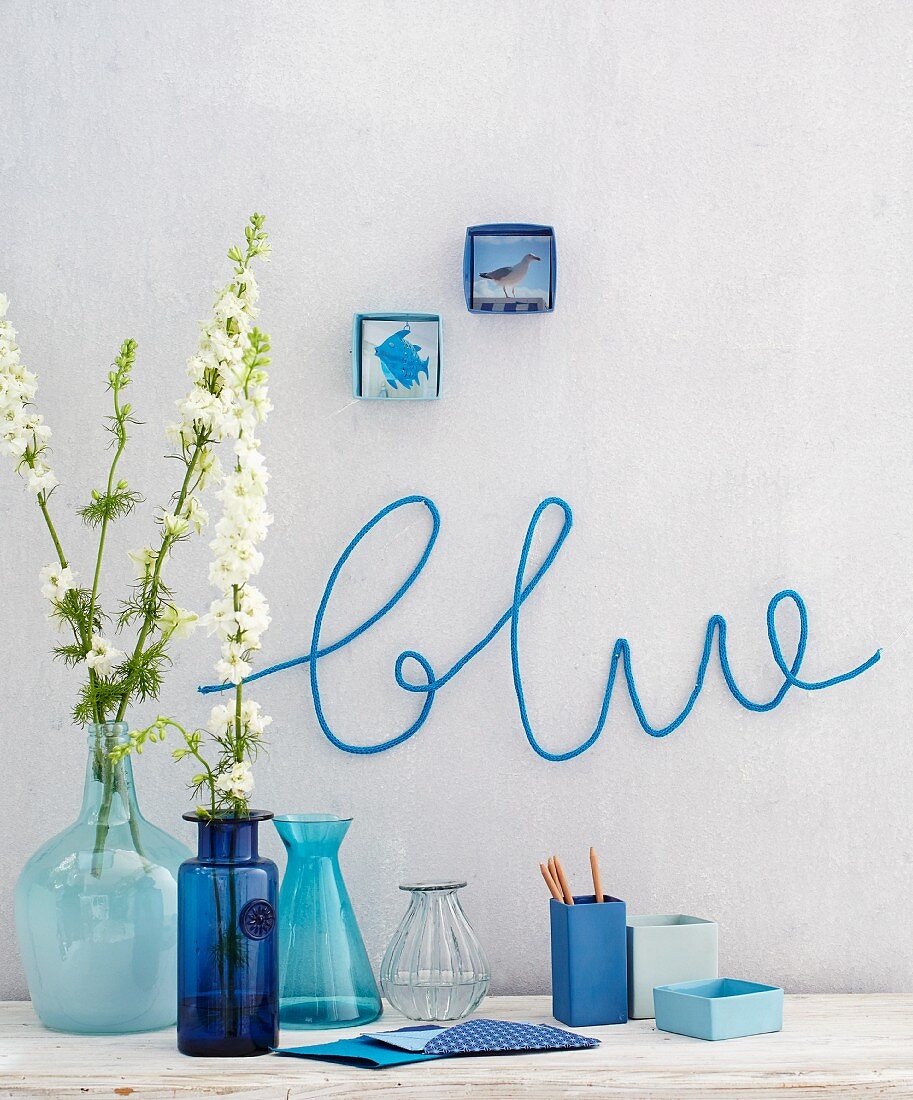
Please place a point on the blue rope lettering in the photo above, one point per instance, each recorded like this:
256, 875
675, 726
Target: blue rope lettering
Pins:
523, 588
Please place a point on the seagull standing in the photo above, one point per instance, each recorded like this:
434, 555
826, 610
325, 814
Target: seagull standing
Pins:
510, 276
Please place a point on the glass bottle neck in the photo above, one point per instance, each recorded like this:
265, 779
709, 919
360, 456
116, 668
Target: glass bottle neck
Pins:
227, 841
436, 899
109, 785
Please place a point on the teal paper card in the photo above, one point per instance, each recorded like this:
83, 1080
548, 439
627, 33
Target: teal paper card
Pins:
361, 1051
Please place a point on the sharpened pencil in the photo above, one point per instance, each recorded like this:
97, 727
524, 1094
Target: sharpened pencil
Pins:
562, 880
550, 883
597, 882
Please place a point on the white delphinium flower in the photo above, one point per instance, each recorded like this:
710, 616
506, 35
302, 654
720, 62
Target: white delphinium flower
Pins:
56, 582
239, 614
176, 622
196, 515
232, 668
175, 526
103, 656
221, 718
208, 413
236, 780
144, 560
228, 400
255, 722
23, 433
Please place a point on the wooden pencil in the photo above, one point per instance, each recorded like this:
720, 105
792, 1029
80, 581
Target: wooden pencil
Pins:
562, 879
597, 882
550, 883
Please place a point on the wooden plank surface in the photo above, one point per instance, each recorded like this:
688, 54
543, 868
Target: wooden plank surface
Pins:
830, 1046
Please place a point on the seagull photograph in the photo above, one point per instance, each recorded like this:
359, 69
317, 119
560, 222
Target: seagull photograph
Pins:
511, 269
510, 276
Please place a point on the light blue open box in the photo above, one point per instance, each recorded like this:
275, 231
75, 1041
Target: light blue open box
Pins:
723, 1008
357, 350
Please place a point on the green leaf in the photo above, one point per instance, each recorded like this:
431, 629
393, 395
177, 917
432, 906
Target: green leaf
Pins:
71, 655
109, 506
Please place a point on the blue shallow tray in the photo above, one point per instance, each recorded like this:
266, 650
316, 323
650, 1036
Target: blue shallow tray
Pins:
722, 1008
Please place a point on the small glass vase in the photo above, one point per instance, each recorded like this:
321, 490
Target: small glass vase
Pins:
227, 942
96, 909
434, 967
326, 978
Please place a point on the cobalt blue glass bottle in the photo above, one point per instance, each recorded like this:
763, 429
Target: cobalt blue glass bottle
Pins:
228, 1003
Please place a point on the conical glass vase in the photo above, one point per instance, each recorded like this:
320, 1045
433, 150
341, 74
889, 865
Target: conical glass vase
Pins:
96, 909
326, 978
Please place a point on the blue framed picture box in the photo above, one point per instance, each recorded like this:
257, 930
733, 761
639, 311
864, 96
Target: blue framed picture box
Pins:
397, 356
510, 268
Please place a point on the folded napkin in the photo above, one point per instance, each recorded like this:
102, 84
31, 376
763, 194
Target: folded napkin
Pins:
502, 1037
381, 1049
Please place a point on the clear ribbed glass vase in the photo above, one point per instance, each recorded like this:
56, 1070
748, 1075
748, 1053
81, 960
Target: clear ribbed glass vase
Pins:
434, 967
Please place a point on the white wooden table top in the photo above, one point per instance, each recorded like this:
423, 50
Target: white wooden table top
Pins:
829, 1046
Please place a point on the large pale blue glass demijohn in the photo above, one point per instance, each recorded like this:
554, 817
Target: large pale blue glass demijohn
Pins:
326, 978
96, 909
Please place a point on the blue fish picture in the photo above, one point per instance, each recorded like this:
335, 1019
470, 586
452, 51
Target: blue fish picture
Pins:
400, 360
397, 356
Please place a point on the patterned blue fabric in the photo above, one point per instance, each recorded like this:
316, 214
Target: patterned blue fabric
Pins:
490, 1036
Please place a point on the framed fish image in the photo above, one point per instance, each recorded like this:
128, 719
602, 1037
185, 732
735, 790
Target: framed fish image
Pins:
397, 356
510, 268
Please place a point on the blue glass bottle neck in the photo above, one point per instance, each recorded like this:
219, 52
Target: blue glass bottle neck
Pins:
107, 783
227, 841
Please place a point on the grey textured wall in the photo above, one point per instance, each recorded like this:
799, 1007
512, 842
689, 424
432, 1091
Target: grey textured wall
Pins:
723, 395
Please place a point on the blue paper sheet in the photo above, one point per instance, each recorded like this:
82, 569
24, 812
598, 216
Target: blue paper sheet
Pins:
360, 1051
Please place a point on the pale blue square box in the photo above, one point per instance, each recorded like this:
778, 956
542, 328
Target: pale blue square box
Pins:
724, 1008
665, 949
359, 320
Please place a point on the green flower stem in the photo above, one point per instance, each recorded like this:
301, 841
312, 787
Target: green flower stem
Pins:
61, 557
120, 785
221, 954
239, 690
43, 505
120, 431
233, 949
104, 815
159, 560
114, 779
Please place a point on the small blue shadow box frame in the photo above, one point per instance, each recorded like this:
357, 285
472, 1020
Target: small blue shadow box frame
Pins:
397, 356
589, 961
722, 1008
510, 267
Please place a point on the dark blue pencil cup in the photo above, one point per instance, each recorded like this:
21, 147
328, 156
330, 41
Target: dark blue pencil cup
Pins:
589, 961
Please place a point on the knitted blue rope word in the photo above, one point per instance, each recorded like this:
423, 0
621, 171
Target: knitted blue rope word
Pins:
523, 588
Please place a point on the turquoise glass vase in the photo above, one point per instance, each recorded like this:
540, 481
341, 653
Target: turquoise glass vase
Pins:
96, 909
325, 976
